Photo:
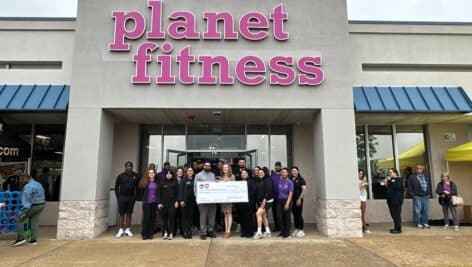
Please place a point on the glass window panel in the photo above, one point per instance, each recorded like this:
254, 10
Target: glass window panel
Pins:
411, 149
260, 143
278, 150
381, 157
48, 151
154, 150
361, 149
174, 145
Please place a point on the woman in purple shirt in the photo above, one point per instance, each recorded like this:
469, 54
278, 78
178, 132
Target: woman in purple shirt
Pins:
149, 185
285, 194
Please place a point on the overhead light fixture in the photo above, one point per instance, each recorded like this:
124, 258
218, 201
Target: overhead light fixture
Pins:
43, 137
59, 153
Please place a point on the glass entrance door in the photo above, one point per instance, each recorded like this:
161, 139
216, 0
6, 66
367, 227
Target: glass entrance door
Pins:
176, 158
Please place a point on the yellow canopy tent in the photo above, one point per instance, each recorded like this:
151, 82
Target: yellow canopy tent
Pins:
460, 153
411, 157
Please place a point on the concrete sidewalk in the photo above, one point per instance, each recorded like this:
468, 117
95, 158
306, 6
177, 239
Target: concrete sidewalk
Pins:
414, 247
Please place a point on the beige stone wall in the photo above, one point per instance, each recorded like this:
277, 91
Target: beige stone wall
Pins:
339, 218
82, 219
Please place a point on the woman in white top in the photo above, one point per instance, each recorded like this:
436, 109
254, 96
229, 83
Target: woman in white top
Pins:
363, 197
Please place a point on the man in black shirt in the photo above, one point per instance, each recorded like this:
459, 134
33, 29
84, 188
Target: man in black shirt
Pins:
241, 166
125, 189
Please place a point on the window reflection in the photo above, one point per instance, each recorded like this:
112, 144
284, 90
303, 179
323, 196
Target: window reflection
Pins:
381, 157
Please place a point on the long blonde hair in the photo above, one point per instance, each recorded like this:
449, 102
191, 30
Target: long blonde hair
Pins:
228, 175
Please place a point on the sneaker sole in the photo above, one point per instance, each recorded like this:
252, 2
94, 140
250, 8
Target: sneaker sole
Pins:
18, 244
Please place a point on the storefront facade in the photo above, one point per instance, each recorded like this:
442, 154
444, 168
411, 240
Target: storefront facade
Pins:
279, 91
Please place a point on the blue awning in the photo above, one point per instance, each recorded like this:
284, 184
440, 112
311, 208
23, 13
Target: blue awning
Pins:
411, 99
25, 98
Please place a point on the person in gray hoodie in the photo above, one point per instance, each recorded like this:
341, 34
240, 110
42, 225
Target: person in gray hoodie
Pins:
207, 211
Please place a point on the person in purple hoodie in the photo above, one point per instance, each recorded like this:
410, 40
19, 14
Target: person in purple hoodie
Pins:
275, 177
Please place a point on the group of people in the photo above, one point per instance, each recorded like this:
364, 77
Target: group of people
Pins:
418, 187
169, 201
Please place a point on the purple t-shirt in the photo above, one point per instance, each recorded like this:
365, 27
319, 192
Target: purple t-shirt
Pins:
151, 196
285, 187
275, 177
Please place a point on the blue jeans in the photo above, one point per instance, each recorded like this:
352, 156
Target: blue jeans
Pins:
420, 210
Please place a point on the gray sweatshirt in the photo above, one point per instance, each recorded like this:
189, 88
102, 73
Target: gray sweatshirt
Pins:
203, 176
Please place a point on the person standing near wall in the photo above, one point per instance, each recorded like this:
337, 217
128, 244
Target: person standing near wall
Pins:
395, 190
187, 202
275, 177
363, 197
126, 190
446, 189
207, 211
419, 187
168, 203
285, 193
150, 187
299, 190
246, 210
33, 201
264, 203
227, 208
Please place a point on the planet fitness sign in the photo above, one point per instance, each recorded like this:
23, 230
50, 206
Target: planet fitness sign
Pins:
248, 70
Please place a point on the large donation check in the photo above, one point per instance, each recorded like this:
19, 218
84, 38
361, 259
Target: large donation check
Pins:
222, 192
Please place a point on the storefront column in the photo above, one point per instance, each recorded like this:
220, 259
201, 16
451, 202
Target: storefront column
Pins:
83, 208
337, 189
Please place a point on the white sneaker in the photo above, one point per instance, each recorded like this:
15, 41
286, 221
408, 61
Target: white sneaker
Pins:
427, 226
300, 233
446, 226
258, 236
456, 228
171, 236
267, 234
295, 232
128, 232
120, 233
367, 232
420, 226
165, 237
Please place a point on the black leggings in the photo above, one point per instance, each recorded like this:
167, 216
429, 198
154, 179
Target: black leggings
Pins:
149, 219
298, 215
187, 219
246, 214
284, 218
396, 213
168, 219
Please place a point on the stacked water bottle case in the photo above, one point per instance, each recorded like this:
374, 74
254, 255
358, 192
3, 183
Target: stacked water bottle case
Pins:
9, 214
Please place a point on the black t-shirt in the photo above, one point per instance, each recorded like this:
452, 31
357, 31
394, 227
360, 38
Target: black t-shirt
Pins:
126, 184
297, 187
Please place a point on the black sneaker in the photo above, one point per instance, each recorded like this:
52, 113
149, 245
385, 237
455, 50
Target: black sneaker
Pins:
395, 231
203, 237
211, 235
33, 242
18, 242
